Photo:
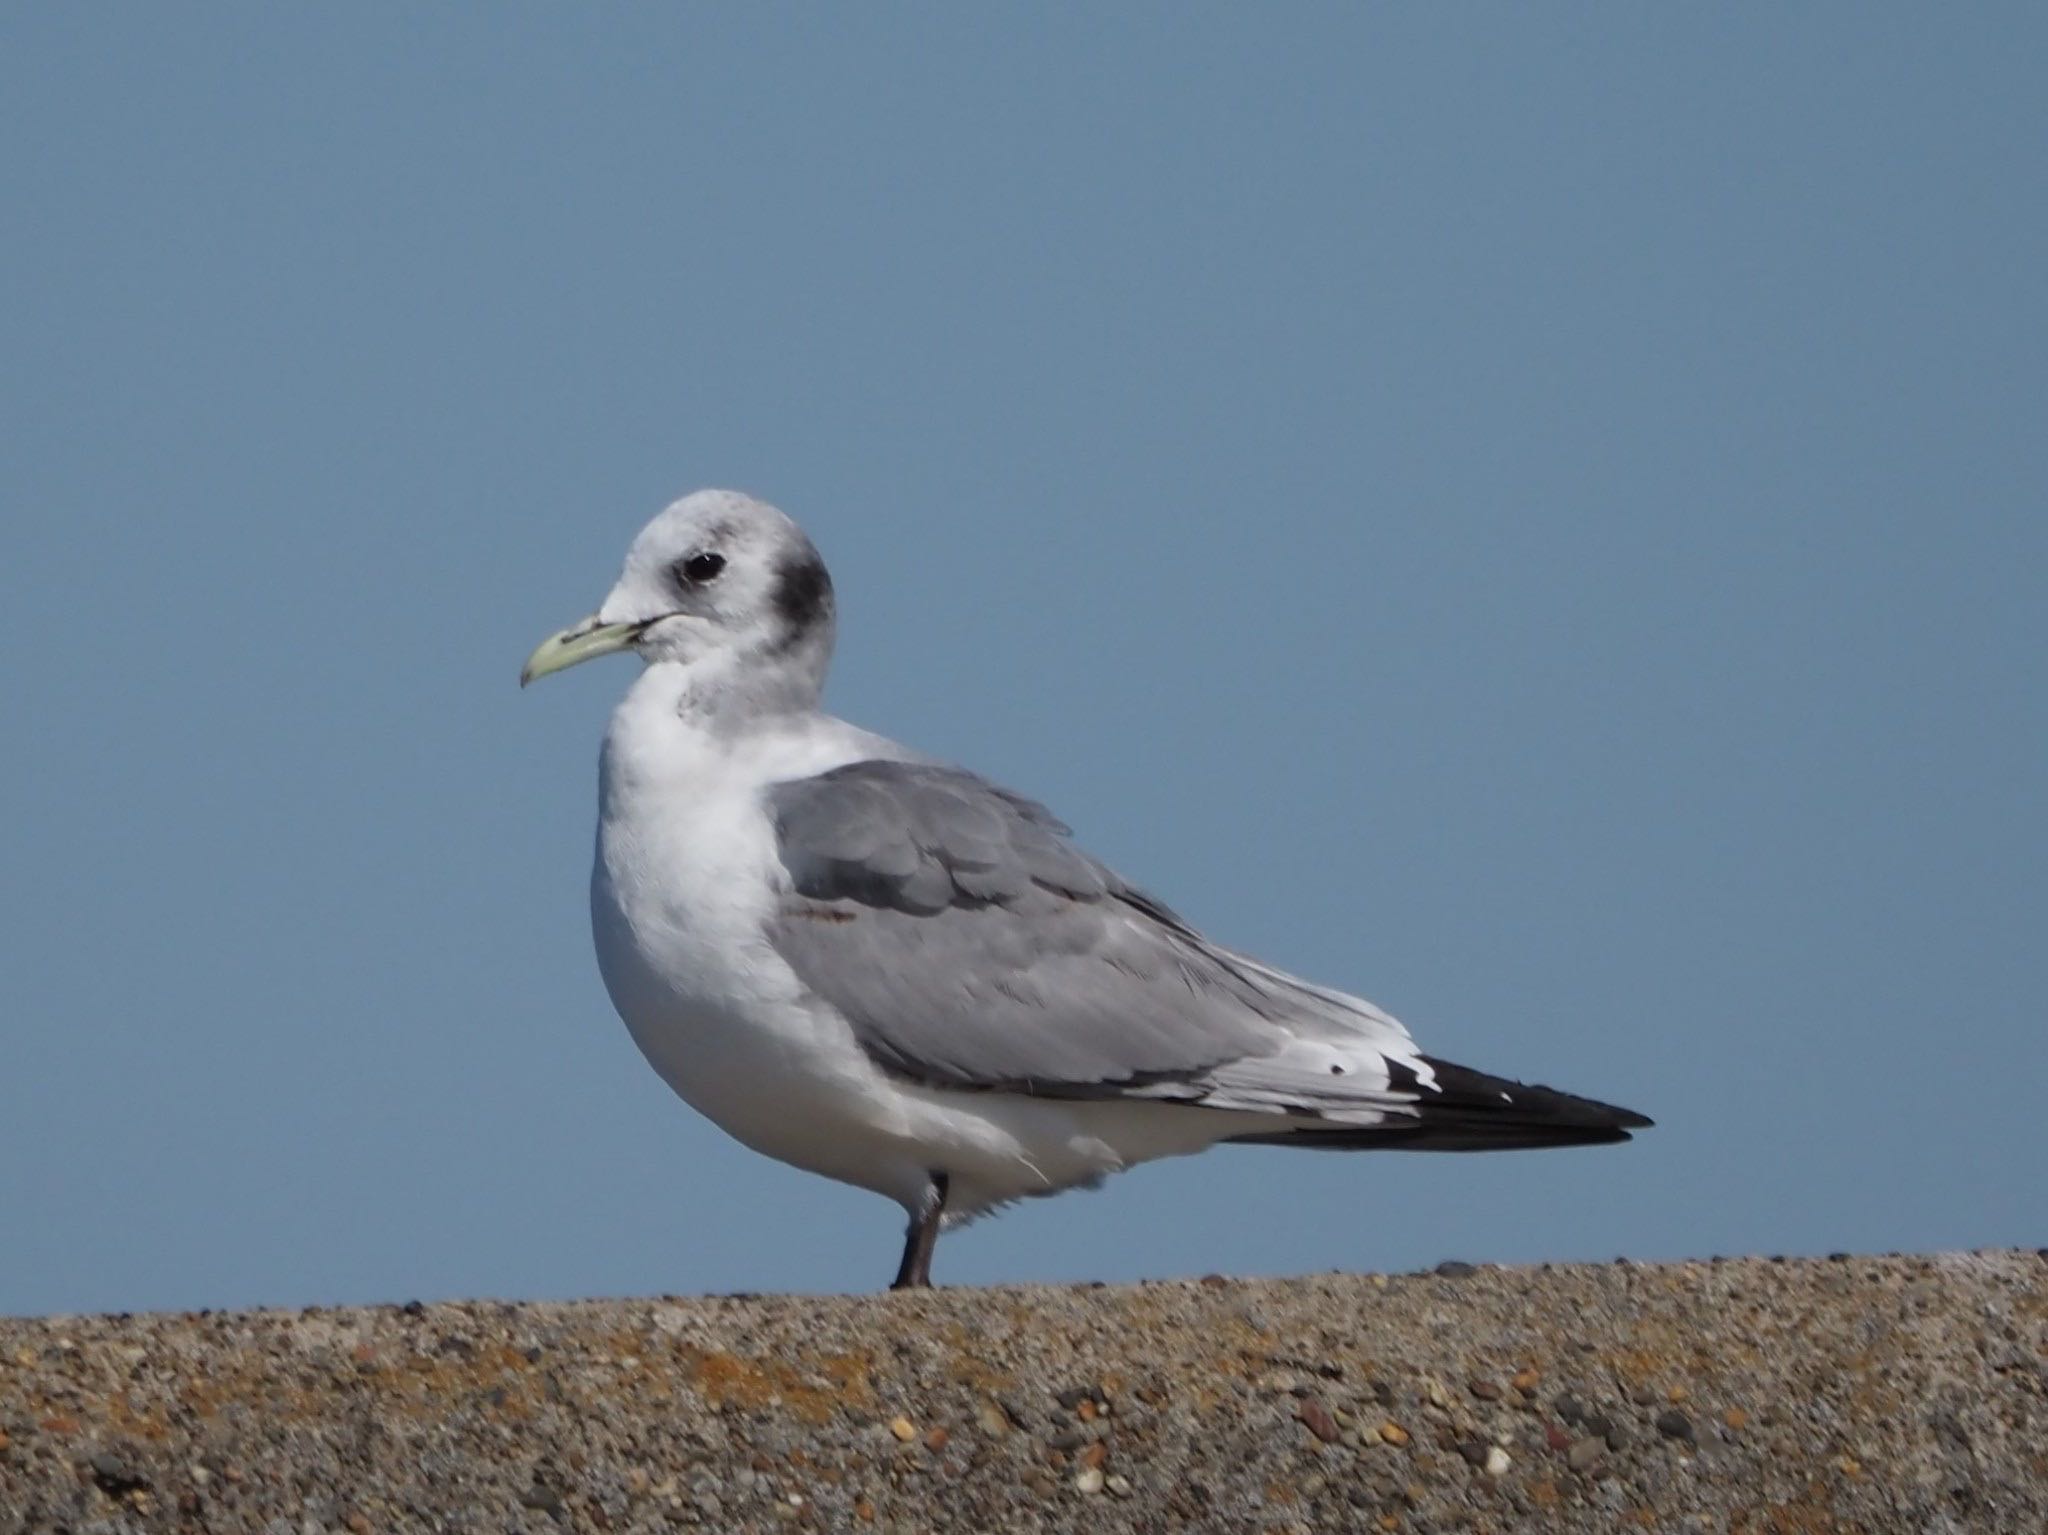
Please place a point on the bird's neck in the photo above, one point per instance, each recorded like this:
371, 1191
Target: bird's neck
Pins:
698, 712
727, 692
672, 736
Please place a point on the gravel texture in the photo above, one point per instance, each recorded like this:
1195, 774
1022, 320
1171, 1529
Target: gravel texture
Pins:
1875, 1394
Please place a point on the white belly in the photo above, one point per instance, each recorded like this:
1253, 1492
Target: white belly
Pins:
679, 905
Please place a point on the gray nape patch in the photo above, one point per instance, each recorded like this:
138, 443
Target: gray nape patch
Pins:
802, 594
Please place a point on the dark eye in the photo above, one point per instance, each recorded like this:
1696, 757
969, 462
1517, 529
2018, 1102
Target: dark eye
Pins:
699, 568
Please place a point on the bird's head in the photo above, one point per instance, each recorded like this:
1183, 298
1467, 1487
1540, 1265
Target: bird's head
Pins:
718, 581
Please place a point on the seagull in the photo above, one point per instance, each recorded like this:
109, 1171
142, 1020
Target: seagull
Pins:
888, 970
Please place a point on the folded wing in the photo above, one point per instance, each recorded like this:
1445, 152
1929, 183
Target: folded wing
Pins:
970, 944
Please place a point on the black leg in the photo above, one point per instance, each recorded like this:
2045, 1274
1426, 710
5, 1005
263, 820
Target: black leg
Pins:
915, 1271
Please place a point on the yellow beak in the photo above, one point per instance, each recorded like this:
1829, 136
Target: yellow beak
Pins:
578, 642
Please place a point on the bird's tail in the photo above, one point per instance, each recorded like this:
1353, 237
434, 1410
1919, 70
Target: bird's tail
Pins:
1468, 1110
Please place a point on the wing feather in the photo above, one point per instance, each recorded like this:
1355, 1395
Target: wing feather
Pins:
970, 944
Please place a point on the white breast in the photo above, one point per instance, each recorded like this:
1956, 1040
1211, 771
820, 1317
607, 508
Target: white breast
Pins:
684, 881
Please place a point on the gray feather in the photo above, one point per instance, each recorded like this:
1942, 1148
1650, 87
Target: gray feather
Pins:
970, 944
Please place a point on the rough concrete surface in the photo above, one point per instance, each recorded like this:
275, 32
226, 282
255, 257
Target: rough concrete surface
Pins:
1873, 1394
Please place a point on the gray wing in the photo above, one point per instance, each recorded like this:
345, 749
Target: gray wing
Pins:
971, 944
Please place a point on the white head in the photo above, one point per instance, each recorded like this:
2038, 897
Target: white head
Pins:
724, 585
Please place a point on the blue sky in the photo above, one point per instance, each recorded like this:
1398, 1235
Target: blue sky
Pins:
1534, 515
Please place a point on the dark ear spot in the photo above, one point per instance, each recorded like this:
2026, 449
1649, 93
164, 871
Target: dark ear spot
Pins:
802, 595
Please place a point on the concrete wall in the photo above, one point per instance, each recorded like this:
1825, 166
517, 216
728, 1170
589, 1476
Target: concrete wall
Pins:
1862, 1394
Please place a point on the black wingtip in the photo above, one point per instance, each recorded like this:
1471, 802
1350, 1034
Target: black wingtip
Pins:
1460, 1089
1466, 1110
